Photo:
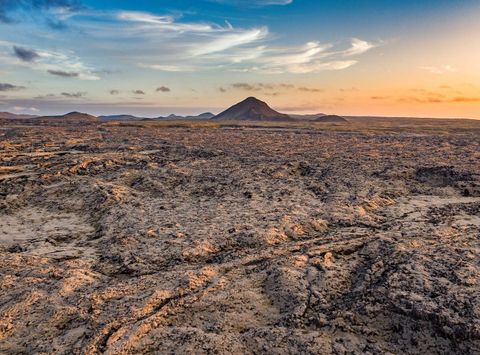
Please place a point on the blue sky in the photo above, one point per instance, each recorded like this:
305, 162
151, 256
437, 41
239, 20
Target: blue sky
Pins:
155, 57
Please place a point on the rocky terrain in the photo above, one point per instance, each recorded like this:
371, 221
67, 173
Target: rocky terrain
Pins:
137, 239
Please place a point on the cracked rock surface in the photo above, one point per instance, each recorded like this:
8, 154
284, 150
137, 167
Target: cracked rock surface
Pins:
135, 240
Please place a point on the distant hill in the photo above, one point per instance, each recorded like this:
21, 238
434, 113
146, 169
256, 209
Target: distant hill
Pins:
9, 115
308, 117
70, 117
331, 119
252, 109
169, 117
203, 116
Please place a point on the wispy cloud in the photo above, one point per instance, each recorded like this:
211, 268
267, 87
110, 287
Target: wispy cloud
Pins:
262, 86
270, 89
230, 40
359, 46
199, 46
10, 87
319, 66
443, 69
169, 43
169, 68
163, 23
312, 57
73, 95
439, 99
10, 9
63, 73
246, 87
305, 89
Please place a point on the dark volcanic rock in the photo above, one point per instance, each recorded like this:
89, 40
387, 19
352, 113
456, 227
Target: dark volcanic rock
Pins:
441, 176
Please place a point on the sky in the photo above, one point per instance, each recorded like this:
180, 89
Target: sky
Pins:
156, 57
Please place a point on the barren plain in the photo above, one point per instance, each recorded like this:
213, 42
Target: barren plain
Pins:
217, 238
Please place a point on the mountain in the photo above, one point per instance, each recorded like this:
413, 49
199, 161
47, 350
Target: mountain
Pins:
70, 117
9, 115
331, 119
252, 109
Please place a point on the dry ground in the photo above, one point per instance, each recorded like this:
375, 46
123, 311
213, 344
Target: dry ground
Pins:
212, 238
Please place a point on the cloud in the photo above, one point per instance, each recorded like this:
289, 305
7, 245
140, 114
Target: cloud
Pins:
168, 68
230, 40
171, 44
138, 92
272, 89
63, 73
60, 63
358, 47
436, 98
41, 97
163, 23
312, 57
465, 99
114, 92
319, 66
290, 57
246, 87
440, 70
9, 8
24, 54
305, 89
181, 39
162, 89
261, 87
10, 87
73, 95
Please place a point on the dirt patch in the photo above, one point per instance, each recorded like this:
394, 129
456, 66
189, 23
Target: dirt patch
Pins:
40, 232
